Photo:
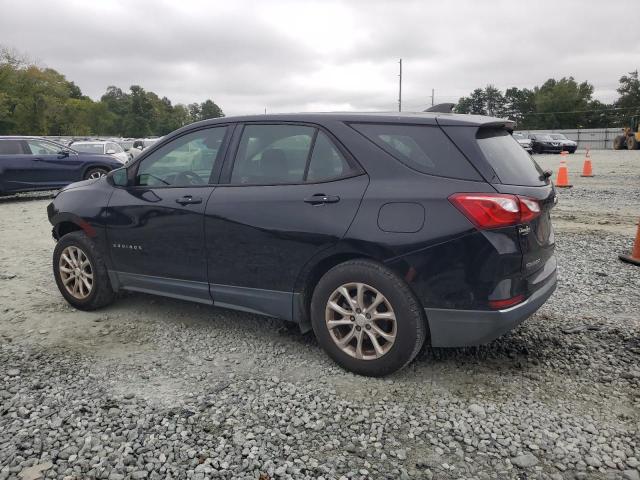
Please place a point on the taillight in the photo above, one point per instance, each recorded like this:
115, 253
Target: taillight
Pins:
495, 210
506, 303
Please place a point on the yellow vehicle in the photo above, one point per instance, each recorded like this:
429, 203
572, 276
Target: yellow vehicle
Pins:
630, 139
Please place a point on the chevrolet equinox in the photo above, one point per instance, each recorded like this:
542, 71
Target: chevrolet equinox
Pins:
376, 231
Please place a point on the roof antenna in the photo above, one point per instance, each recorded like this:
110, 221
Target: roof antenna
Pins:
441, 108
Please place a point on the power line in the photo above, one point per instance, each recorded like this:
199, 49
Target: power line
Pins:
598, 110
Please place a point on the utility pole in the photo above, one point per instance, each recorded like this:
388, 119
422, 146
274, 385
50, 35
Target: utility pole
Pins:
400, 89
432, 95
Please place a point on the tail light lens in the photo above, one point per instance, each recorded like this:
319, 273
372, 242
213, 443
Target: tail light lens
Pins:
487, 210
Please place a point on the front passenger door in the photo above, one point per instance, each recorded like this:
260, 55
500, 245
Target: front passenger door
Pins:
155, 226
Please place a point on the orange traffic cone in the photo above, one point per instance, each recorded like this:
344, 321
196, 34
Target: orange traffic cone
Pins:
587, 171
634, 258
563, 176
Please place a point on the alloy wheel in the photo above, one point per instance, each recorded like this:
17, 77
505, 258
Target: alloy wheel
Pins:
361, 321
97, 174
76, 272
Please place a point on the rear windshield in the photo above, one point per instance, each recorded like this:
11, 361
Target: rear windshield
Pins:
424, 148
512, 164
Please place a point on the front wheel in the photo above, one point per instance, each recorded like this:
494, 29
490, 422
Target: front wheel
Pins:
95, 172
80, 272
367, 319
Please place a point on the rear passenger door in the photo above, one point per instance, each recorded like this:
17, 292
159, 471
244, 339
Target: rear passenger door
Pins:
15, 166
289, 192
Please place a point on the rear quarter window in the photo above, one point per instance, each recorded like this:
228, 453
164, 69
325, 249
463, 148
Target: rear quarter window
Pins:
512, 164
10, 147
424, 148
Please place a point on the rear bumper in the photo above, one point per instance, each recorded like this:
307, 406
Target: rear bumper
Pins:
462, 328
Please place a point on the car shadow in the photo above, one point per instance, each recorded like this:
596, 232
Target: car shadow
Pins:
27, 197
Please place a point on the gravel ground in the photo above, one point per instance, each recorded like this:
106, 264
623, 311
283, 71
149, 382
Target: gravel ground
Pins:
158, 388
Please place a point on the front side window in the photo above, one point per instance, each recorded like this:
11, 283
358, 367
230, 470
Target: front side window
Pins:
39, 147
185, 161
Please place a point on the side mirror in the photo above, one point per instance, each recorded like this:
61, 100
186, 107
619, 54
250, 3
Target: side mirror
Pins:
118, 177
63, 153
111, 151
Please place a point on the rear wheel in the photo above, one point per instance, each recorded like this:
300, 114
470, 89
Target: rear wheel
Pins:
620, 142
80, 272
632, 143
95, 172
367, 319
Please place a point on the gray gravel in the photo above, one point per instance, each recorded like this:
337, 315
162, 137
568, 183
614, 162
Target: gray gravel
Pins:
158, 388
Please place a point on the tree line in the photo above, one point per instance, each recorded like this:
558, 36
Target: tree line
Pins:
556, 104
41, 101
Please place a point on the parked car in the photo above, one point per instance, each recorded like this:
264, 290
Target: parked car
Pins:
524, 141
543, 143
143, 143
128, 147
32, 163
378, 232
103, 148
566, 144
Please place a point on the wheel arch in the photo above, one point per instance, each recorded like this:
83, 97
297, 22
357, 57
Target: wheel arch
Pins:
309, 278
64, 223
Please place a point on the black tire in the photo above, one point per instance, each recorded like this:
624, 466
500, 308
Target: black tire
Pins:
102, 293
632, 143
95, 171
620, 142
411, 329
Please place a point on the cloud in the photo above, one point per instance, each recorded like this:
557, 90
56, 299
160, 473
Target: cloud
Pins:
292, 55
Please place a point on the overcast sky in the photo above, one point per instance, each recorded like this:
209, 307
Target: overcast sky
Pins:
294, 55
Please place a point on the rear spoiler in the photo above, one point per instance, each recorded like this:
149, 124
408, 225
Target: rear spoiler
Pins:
441, 108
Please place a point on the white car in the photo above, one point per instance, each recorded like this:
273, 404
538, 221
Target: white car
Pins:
128, 146
524, 141
568, 145
102, 147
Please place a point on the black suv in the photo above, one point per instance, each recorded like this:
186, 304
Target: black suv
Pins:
377, 231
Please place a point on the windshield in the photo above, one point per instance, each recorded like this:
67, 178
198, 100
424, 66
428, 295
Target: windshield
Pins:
519, 136
545, 138
558, 136
88, 147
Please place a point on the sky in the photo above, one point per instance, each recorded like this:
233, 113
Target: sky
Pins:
297, 55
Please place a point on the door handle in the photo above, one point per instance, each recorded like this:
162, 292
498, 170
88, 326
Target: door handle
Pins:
38, 160
188, 200
321, 199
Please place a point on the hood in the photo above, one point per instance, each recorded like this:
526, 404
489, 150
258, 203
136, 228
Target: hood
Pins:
98, 157
82, 183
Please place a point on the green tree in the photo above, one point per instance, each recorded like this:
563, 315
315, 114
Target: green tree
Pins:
629, 101
208, 109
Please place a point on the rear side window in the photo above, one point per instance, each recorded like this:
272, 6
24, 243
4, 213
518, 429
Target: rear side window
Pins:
287, 154
424, 148
326, 161
512, 164
10, 147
